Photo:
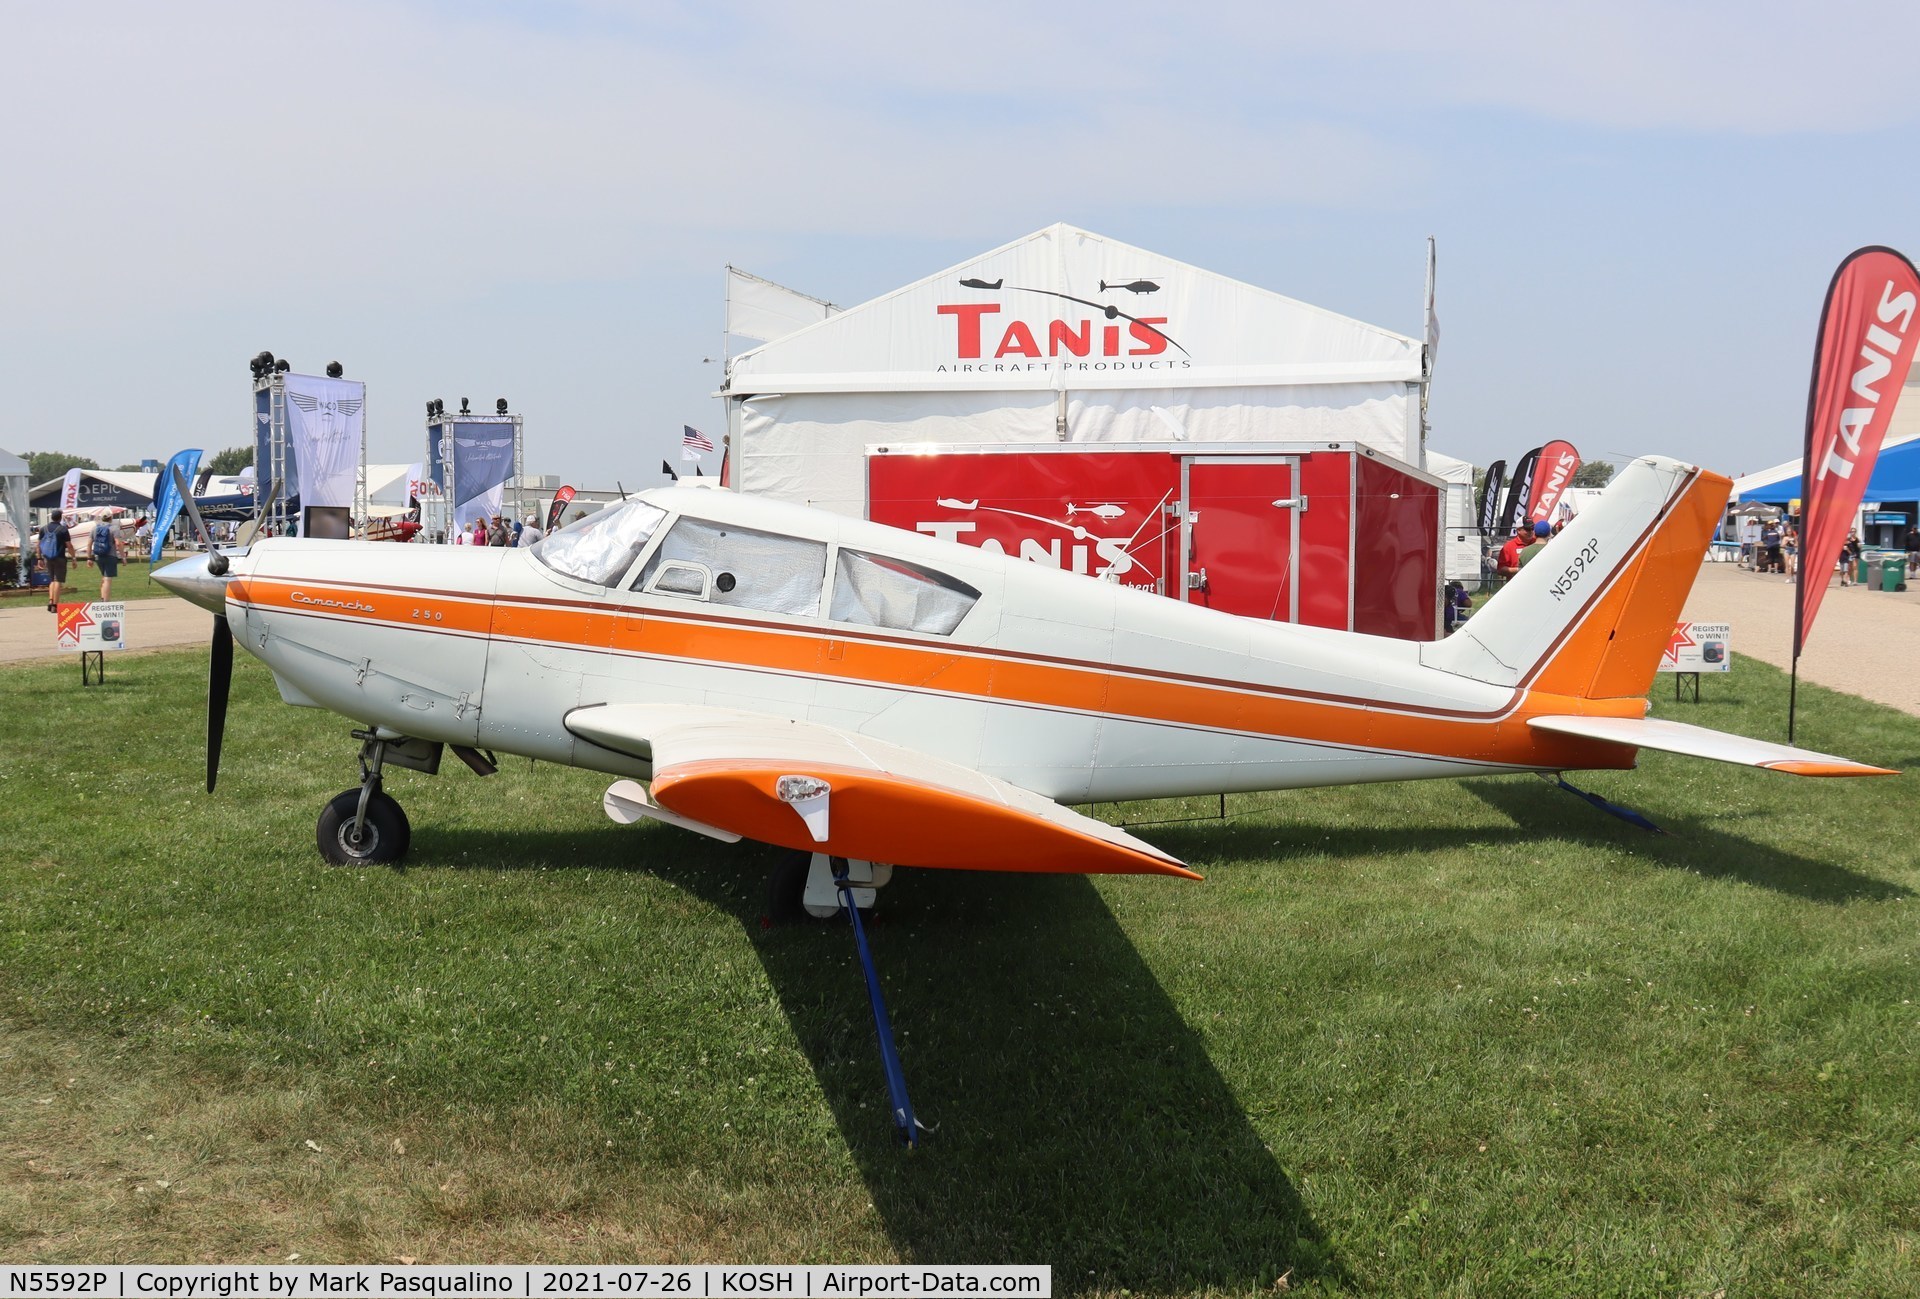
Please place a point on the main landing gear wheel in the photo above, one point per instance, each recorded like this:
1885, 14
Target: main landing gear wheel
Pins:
383, 835
801, 888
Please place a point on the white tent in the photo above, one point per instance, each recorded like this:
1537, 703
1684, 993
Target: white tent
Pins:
1460, 529
387, 490
1063, 336
13, 494
99, 487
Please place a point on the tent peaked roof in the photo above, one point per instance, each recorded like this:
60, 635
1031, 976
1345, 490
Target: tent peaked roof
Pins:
1896, 476
1066, 308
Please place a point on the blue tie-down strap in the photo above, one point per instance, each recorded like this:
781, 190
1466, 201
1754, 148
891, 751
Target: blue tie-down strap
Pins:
906, 1129
1626, 814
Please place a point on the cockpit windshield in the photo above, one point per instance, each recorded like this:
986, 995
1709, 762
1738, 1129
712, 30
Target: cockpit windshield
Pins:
601, 547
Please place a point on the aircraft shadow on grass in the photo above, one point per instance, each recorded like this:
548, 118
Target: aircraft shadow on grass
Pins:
1539, 812
1692, 842
1077, 1120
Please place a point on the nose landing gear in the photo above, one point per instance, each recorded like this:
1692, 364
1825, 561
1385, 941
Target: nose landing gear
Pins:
365, 826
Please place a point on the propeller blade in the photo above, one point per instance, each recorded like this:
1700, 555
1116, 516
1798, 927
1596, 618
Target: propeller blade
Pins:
219, 681
251, 528
216, 562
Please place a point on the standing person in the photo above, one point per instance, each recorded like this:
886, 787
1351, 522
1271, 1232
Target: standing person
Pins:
1849, 556
1542, 533
1770, 561
497, 535
1912, 542
1790, 548
1749, 542
1509, 562
105, 547
56, 547
529, 531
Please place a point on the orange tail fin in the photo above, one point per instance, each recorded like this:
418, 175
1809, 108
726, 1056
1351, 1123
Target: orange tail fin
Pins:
1592, 613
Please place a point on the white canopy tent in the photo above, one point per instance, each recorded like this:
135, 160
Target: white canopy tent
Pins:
387, 489
13, 495
1062, 336
1460, 549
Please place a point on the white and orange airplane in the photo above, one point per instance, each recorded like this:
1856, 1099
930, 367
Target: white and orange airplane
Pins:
871, 698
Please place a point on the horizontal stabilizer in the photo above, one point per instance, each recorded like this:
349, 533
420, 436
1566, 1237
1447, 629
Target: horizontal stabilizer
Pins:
1699, 742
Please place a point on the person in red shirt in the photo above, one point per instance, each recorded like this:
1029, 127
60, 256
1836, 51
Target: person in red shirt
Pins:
1509, 562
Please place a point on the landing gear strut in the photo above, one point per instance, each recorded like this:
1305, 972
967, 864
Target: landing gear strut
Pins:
805, 885
364, 826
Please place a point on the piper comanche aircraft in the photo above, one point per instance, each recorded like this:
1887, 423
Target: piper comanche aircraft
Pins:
871, 698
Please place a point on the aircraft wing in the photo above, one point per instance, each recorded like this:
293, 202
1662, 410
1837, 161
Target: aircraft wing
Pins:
1699, 742
813, 787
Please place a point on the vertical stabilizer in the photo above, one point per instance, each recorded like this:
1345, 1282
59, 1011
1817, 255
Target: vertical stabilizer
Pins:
1592, 613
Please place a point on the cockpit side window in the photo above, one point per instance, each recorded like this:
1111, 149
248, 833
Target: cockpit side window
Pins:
601, 547
883, 592
745, 568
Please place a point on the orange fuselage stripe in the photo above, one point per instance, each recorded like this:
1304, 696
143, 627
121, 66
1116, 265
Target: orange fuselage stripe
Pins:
978, 672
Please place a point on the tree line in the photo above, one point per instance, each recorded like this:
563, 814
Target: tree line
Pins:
44, 466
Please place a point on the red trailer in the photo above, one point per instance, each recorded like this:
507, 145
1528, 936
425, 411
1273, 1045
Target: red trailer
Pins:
1326, 534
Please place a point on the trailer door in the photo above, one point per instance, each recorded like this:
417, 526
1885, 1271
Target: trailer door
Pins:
1240, 534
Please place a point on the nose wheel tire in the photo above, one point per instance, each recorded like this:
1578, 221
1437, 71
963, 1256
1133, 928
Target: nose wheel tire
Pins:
383, 836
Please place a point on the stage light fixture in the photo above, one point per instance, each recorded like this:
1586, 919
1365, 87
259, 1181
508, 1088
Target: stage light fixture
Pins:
282, 365
429, 410
501, 405
463, 407
335, 369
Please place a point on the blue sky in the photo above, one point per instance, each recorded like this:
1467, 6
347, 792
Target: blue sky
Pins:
1638, 206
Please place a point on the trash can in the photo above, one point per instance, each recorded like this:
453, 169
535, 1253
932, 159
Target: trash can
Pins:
1863, 570
1893, 571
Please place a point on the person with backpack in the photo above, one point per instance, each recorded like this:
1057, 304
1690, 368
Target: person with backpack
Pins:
56, 547
105, 549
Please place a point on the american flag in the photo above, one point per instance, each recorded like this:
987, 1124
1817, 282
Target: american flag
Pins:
692, 439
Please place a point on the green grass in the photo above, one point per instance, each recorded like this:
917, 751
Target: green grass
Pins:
83, 584
1464, 1038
